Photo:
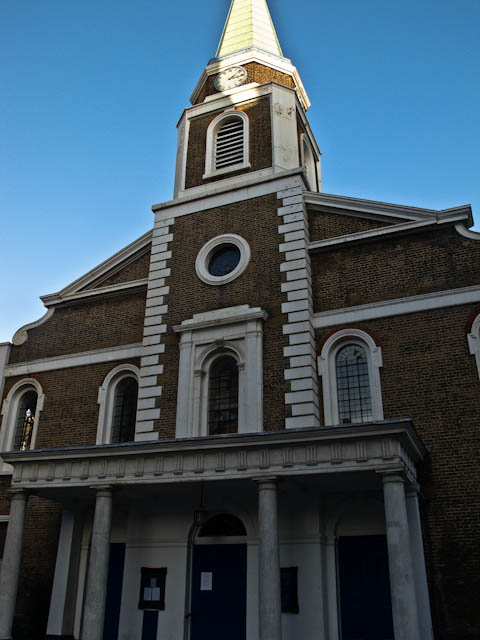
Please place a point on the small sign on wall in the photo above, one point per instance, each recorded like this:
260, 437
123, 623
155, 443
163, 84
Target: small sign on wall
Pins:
152, 589
206, 581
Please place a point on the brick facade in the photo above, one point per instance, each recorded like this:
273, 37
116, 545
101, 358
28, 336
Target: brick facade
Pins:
260, 153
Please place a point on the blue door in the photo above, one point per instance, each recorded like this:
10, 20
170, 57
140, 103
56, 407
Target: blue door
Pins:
114, 591
219, 586
365, 602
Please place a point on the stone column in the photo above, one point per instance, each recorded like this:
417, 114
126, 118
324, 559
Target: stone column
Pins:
12, 557
402, 584
270, 605
418, 559
62, 603
94, 610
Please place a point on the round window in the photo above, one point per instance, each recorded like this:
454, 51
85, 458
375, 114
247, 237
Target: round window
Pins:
222, 259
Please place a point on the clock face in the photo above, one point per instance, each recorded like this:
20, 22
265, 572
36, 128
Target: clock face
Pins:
230, 78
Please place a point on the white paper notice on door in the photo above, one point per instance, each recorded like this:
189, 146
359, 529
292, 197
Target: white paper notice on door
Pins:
206, 580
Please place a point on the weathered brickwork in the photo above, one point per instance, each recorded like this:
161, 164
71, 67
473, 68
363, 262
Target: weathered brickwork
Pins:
94, 324
255, 73
260, 152
256, 221
324, 224
70, 411
428, 375
137, 269
393, 268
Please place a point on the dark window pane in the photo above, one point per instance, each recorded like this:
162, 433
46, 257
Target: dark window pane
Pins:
3, 535
223, 524
223, 397
25, 421
224, 260
353, 385
125, 410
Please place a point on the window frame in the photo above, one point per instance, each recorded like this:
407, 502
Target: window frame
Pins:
326, 363
106, 399
474, 342
208, 249
210, 151
10, 409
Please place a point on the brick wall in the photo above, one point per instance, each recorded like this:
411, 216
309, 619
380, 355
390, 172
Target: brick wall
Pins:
428, 375
94, 324
257, 221
323, 224
137, 269
255, 73
392, 268
260, 152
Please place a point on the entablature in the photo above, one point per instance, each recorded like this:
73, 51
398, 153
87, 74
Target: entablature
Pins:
388, 445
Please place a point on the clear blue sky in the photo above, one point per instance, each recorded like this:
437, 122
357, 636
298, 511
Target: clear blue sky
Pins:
91, 91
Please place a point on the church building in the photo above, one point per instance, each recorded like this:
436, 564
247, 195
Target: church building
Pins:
259, 420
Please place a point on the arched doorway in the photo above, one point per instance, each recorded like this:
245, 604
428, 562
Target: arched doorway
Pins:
219, 580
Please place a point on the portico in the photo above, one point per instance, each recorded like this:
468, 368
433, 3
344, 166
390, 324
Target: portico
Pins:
258, 478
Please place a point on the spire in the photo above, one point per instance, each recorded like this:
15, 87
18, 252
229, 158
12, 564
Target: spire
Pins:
249, 25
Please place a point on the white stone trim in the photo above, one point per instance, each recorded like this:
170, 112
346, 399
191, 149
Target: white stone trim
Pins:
467, 233
206, 252
397, 307
210, 154
109, 266
474, 342
385, 209
154, 329
81, 359
21, 335
9, 416
326, 362
238, 331
361, 236
301, 374
106, 396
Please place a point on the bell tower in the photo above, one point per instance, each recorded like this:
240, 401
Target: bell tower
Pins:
230, 276
248, 113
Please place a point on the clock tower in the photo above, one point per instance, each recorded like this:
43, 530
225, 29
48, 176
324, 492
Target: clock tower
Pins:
230, 269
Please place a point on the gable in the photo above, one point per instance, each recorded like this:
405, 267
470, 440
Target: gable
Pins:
134, 268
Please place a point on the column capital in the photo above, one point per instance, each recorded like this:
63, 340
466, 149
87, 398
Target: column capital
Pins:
392, 476
412, 489
103, 490
18, 494
266, 482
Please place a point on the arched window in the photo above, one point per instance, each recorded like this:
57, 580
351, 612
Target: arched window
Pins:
117, 398
349, 365
353, 385
227, 143
25, 421
223, 396
223, 524
125, 410
474, 342
21, 415
308, 162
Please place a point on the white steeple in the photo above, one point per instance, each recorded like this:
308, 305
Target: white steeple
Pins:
249, 25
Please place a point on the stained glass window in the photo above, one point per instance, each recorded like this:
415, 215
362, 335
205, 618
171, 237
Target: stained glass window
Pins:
353, 385
125, 410
223, 397
25, 421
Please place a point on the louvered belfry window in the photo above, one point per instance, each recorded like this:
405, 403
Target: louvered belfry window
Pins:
229, 143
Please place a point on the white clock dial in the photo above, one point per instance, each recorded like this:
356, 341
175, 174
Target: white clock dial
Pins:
230, 78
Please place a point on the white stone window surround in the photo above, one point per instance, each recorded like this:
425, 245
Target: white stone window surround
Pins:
326, 362
234, 331
210, 152
474, 342
207, 251
9, 416
106, 399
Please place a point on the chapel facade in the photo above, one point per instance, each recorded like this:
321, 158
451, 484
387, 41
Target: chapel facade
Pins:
260, 419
